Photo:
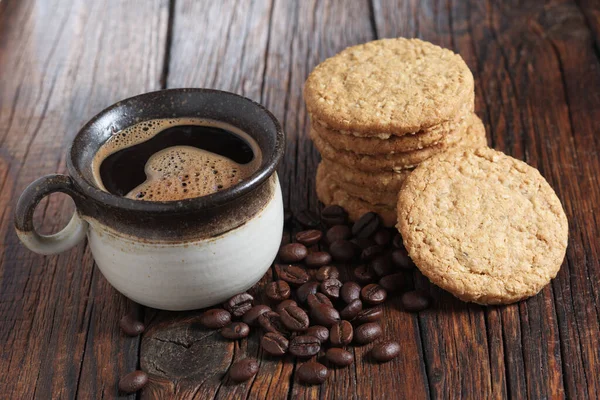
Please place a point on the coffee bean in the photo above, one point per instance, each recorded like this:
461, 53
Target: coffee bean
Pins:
215, 318
338, 232
251, 316
339, 357
324, 315
235, 331
274, 343
350, 291
401, 259
362, 243
385, 352
351, 310
393, 282
131, 326
312, 373
371, 252
327, 272
363, 274
271, 322
307, 219
239, 304
341, 334
373, 294
415, 301
287, 216
304, 346
318, 331
368, 315
367, 333
294, 318
133, 381
334, 215
318, 299
292, 274
293, 252
341, 250
382, 237
317, 259
310, 237
331, 288
308, 288
366, 225
286, 303
278, 290
243, 370
382, 265
397, 241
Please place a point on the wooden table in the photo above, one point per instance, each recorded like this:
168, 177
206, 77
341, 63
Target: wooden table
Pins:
537, 72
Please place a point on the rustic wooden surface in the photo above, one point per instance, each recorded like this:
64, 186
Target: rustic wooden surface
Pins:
537, 68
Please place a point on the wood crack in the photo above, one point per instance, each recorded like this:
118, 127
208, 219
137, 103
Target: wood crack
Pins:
164, 75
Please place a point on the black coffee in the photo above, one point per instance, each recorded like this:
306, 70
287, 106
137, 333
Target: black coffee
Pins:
173, 159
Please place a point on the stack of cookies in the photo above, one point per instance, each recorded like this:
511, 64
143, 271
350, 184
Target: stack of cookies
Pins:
378, 110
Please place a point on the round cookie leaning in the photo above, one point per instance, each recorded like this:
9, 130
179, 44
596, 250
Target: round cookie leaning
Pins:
482, 225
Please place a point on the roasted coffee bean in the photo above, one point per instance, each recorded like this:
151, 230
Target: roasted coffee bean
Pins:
235, 331
278, 290
341, 250
363, 274
318, 299
318, 331
274, 343
371, 252
339, 357
133, 381
368, 315
393, 282
362, 243
415, 301
366, 225
350, 291
307, 219
131, 326
382, 265
341, 334
284, 304
317, 259
397, 242
401, 259
239, 304
293, 252
327, 272
294, 318
310, 237
271, 322
382, 237
367, 333
331, 288
338, 232
215, 318
292, 274
351, 310
308, 288
334, 215
324, 315
243, 370
373, 294
304, 346
312, 373
251, 316
385, 352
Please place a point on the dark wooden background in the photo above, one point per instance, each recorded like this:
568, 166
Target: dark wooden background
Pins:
537, 71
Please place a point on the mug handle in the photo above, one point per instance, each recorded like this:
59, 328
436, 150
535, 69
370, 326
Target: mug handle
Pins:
58, 242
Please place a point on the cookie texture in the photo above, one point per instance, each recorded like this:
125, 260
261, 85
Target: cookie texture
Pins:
472, 136
389, 85
482, 225
385, 181
329, 193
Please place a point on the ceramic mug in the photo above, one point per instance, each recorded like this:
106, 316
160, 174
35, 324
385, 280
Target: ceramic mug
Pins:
174, 255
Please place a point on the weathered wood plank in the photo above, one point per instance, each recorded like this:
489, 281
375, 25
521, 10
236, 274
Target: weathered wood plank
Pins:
61, 62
